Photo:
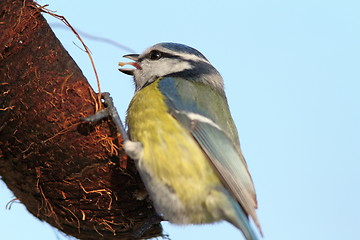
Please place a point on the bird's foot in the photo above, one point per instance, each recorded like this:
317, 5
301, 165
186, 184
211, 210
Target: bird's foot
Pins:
109, 112
132, 149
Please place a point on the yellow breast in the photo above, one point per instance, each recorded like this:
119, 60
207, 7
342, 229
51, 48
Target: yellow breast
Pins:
170, 152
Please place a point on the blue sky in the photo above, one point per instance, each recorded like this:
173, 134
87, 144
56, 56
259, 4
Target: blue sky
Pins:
292, 76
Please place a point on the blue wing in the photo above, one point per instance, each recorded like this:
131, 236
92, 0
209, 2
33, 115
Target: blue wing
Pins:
204, 112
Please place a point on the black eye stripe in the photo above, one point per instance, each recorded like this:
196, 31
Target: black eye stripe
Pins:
163, 55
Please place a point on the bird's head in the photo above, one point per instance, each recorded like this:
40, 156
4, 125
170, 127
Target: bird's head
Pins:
171, 60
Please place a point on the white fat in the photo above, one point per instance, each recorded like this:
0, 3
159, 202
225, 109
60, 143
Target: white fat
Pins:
134, 149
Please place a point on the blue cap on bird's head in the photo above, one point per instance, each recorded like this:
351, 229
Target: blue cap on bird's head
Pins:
171, 59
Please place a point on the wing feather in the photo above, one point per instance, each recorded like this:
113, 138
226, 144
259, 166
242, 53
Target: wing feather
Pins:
213, 136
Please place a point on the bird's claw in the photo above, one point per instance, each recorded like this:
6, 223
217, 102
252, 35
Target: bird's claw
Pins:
108, 112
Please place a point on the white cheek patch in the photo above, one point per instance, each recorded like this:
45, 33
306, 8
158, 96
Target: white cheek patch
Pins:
167, 66
150, 70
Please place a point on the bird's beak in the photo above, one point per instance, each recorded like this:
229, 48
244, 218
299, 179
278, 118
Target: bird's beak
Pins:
130, 71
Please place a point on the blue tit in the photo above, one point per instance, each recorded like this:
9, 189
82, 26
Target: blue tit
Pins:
184, 140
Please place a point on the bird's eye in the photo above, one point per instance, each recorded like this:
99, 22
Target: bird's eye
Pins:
155, 55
